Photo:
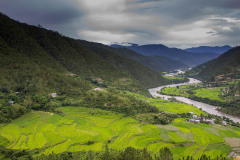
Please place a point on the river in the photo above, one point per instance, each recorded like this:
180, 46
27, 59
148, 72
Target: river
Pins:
205, 107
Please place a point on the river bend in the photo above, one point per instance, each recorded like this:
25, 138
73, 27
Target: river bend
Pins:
205, 107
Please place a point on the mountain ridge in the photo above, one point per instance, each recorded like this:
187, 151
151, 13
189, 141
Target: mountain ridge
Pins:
36, 46
209, 49
190, 59
227, 63
157, 63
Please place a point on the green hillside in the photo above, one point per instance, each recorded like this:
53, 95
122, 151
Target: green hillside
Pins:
36, 62
63, 55
227, 63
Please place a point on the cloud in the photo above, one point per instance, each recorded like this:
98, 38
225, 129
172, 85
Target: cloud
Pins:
45, 11
52, 14
171, 22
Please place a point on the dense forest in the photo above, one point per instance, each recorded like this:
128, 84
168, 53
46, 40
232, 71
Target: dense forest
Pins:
36, 62
129, 153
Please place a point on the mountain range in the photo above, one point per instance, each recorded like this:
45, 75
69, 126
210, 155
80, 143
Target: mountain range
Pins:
157, 63
226, 64
209, 49
175, 54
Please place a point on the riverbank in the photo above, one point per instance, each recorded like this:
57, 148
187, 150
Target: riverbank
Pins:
211, 109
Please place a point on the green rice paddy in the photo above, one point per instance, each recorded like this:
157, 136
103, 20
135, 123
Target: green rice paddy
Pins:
173, 78
211, 93
180, 90
82, 128
167, 106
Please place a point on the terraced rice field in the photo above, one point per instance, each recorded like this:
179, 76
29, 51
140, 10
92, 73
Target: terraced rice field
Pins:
173, 107
90, 129
211, 93
174, 78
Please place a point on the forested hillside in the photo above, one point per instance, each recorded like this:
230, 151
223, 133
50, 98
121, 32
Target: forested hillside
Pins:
36, 62
225, 66
39, 47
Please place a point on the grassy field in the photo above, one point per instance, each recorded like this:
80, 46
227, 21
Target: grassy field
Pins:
211, 93
173, 78
167, 106
180, 90
90, 129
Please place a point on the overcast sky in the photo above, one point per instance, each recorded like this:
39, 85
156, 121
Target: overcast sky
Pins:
178, 23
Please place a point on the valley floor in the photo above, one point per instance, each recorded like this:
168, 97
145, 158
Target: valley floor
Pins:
82, 128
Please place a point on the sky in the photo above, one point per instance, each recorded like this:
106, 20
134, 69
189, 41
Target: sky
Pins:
175, 23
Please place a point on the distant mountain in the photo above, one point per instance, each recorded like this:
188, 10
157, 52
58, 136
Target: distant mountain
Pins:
157, 63
227, 63
168, 63
190, 59
209, 49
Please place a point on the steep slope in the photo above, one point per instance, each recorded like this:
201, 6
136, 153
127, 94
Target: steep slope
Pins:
227, 63
175, 54
135, 69
209, 49
35, 63
32, 46
157, 63
168, 63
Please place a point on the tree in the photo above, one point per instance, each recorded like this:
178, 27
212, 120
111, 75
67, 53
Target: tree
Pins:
165, 154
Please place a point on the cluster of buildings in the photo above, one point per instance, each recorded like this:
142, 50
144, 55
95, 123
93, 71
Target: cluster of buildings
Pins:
196, 119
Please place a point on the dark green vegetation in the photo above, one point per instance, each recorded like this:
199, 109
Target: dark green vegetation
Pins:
129, 153
188, 58
36, 62
168, 63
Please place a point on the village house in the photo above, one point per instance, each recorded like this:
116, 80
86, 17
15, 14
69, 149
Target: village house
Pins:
224, 123
195, 116
191, 120
209, 121
53, 95
11, 102
197, 121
